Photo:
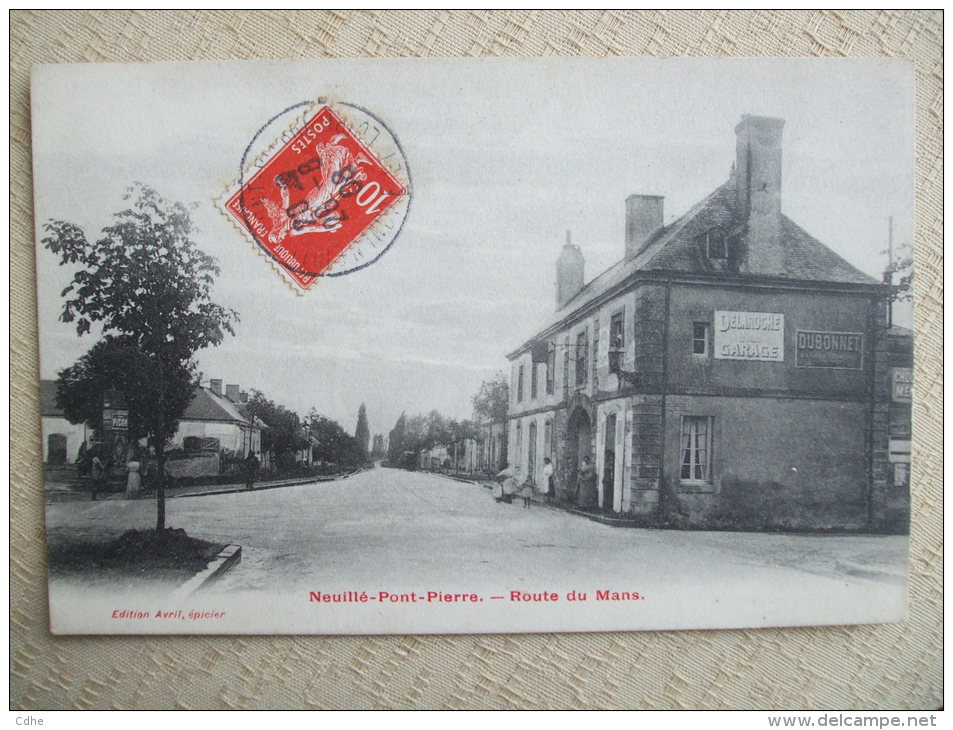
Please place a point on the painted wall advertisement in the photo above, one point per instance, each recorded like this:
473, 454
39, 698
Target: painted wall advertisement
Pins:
755, 336
901, 385
829, 350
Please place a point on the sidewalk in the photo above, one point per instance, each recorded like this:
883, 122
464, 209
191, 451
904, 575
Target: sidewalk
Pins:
201, 491
615, 519
59, 492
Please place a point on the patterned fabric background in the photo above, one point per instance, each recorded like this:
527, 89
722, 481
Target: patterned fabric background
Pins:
861, 667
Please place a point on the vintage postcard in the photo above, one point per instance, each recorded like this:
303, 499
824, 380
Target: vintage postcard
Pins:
483, 345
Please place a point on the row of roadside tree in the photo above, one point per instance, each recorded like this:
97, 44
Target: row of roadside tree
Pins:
433, 432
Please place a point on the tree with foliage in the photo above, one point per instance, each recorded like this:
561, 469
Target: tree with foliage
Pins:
334, 444
396, 439
415, 436
148, 287
899, 273
362, 433
492, 400
284, 435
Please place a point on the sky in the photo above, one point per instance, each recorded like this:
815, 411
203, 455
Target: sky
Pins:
505, 156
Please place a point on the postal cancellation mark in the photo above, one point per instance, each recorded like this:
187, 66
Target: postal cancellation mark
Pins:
310, 203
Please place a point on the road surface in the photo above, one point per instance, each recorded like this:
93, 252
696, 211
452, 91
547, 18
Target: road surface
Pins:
400, 532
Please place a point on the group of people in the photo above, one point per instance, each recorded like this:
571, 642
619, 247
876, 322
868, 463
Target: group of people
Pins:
511, 485
586, 492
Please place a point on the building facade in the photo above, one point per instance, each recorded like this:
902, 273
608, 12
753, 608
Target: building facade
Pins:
729, 371
61, 439
215, 420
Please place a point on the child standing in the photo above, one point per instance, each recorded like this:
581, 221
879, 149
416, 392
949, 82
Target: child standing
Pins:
526, 492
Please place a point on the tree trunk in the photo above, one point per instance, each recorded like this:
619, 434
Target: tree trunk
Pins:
160, 490
160, 453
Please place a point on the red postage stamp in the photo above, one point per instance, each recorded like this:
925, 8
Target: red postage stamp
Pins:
315, 197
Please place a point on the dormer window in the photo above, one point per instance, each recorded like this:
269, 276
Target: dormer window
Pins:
716, 244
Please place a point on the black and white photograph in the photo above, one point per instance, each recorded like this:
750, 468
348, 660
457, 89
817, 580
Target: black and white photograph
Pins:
445, 346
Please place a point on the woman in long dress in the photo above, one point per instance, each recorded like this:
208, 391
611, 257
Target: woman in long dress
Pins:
587, 494
509, 484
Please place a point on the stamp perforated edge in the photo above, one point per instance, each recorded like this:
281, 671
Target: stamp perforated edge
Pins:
299, 120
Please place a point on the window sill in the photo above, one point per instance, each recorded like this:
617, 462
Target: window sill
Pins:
696, 487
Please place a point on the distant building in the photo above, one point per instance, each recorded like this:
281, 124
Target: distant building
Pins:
217, 420
434, 458
215, 431
492, 446
729, 371
61, 439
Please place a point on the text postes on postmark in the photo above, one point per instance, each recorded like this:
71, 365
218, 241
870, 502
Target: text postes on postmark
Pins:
330, 200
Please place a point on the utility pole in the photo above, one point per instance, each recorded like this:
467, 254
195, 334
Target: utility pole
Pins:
890, 269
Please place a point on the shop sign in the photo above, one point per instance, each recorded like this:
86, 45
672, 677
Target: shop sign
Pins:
115, 419
901, 384
843, 350
899, 452
757, 336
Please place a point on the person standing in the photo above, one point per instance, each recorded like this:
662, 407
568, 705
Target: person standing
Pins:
97, 470
82, 460
134, 478
587, 494
548, 488
509, 484
251, 469
526, 492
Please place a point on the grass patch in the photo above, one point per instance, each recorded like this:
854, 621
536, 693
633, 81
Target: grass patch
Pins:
140, 554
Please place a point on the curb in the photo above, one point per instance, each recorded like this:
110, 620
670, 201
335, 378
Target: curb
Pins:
229, 557
603, 519
263, 487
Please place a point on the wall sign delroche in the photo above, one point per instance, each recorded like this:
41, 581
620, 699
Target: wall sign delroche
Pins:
757, 336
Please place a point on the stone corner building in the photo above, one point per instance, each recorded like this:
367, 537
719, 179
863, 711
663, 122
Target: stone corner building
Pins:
730, 371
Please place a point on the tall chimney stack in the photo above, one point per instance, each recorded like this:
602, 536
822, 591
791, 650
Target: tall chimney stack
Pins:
643, 217
758, 181
215, 386
231, 392
570, 272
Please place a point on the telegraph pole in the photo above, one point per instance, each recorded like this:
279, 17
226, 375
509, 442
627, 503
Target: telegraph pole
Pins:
890, 269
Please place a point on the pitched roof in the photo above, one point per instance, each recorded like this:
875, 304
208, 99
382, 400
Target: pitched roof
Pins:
206, 406
677, 247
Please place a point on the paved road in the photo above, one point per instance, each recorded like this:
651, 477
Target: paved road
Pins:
384, 527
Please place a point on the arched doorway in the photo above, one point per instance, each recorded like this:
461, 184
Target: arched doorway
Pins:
578, 445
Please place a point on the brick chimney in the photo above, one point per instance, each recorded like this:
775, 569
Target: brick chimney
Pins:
643, 217
758, 182
231, 392
570, 272
243, 397
215, 386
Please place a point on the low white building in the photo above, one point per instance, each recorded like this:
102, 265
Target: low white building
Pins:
214, 421
61, 439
